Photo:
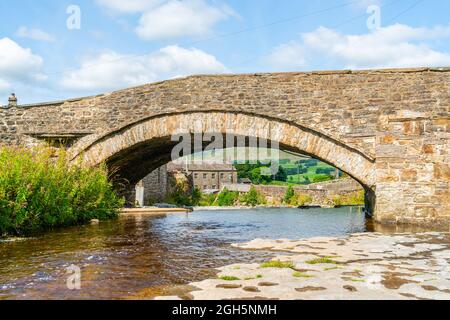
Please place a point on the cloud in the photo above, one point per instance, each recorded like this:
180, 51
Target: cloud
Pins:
394, 46
18, 64
111, 70
164, 19
129, 6
180, 18
35, 34
289, 55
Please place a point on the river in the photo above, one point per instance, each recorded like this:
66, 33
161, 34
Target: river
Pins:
145, 256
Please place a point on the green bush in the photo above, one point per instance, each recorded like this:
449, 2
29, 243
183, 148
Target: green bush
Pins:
227, 198
252, 198
356, 198
39, 191
290, 193
301, 200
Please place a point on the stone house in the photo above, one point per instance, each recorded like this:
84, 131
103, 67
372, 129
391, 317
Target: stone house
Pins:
207, 177
210, 177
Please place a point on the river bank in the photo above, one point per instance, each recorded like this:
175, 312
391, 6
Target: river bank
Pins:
362, 266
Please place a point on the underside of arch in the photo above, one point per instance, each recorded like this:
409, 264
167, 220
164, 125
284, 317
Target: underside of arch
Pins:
147, 144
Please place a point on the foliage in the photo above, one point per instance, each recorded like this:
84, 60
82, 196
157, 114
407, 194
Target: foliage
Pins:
290, 193
207, 200
252, 198
40, 190
254, 172
181, 196
352, 199
301, 200
296, 199
327, 171
277, 264
322, 178
227, 198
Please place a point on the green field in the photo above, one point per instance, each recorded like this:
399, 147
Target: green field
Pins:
308, 177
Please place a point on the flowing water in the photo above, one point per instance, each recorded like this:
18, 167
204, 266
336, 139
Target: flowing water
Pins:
145, 256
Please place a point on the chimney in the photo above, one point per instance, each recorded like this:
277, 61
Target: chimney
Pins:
12, 100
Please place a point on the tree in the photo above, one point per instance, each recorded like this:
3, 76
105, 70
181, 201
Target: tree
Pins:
281, 174
290, 193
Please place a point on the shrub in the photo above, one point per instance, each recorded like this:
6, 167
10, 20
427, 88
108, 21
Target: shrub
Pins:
352, 199
227, 198
299, 200
207, 200
40, 190
290, 193
252, 198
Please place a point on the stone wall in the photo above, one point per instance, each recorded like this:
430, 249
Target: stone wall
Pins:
155, 186
321, 194
319, 197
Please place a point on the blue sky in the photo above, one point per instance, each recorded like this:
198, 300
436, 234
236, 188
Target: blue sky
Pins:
123, 43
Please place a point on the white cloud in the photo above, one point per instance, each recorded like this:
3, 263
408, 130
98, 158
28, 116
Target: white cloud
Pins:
35, 34
129, 6
394, 46
163, 19
177, 18
111, 70
289, 55
18, 64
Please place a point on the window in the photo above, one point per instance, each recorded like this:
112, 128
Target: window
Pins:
205, 187
195, 175
213, 175
205, 176
214, 187
222, 175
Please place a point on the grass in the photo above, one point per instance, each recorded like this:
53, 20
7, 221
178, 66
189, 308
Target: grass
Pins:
321, 260
277, 264
301, 275
41, 190
229, 278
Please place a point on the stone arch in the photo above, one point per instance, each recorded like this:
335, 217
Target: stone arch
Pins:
150, 138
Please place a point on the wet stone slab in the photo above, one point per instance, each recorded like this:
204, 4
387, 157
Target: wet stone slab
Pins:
359, 267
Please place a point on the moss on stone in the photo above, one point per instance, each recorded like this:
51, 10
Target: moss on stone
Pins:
277, 264
321, 260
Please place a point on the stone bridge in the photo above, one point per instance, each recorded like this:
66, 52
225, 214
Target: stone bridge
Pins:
388, 129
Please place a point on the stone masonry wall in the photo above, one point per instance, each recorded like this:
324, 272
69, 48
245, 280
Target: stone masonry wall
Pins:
399, 119
155, 186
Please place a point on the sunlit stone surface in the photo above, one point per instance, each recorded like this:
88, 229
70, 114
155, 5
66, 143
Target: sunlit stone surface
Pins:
361, 266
